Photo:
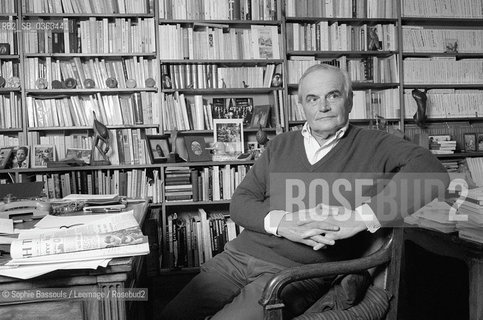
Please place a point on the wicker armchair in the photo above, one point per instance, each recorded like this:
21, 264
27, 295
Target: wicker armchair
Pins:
383, 264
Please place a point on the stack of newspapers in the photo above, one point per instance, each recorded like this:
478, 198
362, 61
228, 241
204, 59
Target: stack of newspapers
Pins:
471, 210
67, 242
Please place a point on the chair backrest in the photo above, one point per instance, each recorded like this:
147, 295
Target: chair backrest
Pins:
382, 259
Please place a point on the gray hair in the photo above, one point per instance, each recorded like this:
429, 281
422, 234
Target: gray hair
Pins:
324, 66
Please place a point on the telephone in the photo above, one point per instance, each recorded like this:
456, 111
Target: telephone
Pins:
24, 207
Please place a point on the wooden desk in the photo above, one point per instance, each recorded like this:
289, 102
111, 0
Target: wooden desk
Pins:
450, 245
119, 274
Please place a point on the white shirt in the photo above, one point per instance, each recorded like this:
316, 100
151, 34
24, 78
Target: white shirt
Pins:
315, 153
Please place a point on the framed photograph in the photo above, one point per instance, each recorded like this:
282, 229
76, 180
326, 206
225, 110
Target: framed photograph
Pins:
228, 136
158, 147
233, 108
79, 154
479, 141
21, 157
252, 146
42, 154
196, 148
260, 116
470, 142
5, 154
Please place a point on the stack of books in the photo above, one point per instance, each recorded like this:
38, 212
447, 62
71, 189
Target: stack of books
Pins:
442, 144
195, 237
178, 186
471, 211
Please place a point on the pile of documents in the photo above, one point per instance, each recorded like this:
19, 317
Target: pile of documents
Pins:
471, 210
74, 242
435, 216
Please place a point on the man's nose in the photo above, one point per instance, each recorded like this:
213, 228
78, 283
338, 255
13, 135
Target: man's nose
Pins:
323, 106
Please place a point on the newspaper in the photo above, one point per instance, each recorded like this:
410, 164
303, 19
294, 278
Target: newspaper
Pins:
116, 230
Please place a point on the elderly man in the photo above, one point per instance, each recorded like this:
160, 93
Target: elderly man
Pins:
359, 176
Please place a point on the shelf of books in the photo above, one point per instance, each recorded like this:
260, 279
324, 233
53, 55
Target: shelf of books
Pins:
11, 117
441, 52
361, 38
88, 61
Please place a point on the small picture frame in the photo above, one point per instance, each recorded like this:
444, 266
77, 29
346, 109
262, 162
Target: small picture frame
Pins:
21, 157
479, 141
228, 136
470, 142
79, 154
450, 45
196, 148
5, 155
42, 154
439, 138
252, 146
260, 117
158, 147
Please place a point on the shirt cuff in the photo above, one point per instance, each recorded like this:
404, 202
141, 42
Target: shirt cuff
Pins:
364, 213
272, 220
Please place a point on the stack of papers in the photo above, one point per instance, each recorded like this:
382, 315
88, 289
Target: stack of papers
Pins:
87, 241
471, 228
435, 216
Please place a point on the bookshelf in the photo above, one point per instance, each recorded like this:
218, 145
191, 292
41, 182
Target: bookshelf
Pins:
11, 117
340, 34
157, 66
72, 59
440, 40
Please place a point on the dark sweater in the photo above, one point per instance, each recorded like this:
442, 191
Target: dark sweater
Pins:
359, 154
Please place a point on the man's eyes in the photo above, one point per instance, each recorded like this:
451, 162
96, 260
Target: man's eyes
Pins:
312, 99
333, 96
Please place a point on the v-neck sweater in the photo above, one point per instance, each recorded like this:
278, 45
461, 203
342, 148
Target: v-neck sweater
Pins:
360, 153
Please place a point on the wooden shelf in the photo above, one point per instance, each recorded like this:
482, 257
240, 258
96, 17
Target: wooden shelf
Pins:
86, 15
233, 62
9, 56
458, 55
447, 22
7, 90
338, 54
54, 92
195, 203
90, 55
224, 91
351, 21
230, 23
121, 126
82, 168
443, 86
360, 86
459, 155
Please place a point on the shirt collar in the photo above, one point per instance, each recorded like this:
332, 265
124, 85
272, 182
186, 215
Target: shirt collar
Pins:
307, 132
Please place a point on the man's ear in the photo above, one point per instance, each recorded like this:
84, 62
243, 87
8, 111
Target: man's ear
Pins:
350, 101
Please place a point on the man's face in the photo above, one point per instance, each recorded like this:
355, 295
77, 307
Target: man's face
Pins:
325, 102
21, 155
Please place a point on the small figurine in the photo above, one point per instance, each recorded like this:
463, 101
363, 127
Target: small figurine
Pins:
101, 142
420, 115
373, 38
277, 80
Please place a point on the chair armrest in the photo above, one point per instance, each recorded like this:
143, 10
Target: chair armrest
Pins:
271, 294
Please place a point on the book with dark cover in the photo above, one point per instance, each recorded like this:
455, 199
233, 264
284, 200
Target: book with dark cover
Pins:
58, 42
